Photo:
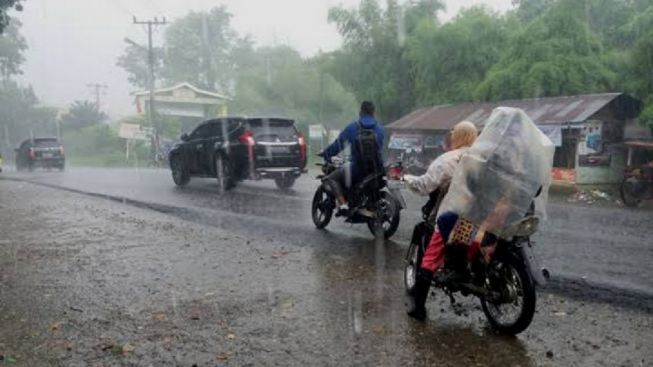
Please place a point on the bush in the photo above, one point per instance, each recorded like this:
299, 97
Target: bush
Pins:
96, 145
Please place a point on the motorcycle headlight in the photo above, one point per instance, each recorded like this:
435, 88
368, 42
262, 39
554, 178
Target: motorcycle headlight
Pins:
524, 228
527, 227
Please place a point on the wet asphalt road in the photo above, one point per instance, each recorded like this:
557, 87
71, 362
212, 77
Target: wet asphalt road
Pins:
245, 279
611, 247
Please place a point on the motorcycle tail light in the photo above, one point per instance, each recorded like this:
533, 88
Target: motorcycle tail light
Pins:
395, 171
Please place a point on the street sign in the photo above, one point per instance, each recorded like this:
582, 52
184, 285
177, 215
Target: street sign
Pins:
333, 135
135, 132
316, 131
127, 131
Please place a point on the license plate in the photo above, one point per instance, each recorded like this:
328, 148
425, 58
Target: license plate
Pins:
278, 149
48, 155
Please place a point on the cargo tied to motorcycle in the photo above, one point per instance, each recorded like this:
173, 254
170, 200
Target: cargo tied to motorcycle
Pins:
504, 172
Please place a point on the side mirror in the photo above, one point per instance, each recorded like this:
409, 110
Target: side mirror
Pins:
185, 137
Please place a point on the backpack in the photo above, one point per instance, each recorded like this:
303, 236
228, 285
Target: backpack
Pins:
368, 149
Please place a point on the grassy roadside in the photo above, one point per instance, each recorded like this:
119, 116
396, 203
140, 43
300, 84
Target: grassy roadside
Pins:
105, 161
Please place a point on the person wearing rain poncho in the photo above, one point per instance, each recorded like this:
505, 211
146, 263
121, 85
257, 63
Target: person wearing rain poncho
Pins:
494, 186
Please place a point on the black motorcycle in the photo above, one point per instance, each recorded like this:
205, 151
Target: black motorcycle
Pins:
504, 280
371, 201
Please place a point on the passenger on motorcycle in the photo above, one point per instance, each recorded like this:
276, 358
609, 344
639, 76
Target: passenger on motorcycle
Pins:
441, 170
437, 177
365, 160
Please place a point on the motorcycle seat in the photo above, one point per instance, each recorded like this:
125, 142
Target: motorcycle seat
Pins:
371, 182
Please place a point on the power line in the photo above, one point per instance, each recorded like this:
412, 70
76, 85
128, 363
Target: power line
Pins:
151, 24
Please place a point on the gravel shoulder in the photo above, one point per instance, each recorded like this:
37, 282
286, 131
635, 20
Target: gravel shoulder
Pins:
86, 281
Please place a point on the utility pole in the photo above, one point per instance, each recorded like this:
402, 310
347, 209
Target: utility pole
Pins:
150, 61
98, 90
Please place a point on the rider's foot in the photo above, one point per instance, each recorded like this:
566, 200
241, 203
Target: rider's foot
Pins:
366, 213
417, 312
420, 293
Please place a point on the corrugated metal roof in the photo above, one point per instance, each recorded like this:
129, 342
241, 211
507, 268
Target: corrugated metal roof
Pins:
551, 110
644, 144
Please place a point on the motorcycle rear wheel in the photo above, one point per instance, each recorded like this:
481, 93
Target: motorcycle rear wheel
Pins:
389, 208
631, 191
518, 290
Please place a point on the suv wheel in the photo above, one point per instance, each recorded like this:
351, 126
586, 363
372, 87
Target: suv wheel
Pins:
179, 173
223, 174
285, 183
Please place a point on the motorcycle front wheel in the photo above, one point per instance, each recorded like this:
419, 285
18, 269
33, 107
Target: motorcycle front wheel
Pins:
513, 311
322, 208
413, 260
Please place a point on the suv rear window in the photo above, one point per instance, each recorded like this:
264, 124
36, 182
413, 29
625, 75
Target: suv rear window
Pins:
46, 143
273, 129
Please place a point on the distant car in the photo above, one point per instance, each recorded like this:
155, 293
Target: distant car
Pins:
40, 153
238, 148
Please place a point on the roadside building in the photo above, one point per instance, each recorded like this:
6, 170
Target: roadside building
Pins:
185, 101
588, 131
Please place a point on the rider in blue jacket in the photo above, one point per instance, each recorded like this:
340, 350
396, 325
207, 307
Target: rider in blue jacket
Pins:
350, 174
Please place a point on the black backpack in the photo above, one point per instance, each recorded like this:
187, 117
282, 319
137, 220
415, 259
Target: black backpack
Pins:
368, 149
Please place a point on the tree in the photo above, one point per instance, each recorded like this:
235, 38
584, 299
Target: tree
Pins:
82, 114
371, 62
277, 81
527, 10
421, 11
448, 62
19, 112
198, 49
12, 47
6, 5
554, 55
135, 62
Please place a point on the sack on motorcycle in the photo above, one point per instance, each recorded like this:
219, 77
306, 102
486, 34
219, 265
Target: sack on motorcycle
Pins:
499, 177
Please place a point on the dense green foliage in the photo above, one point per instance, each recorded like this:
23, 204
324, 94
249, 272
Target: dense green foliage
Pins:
6, 5
541, 48
82, 114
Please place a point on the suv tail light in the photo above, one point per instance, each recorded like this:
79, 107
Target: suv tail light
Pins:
302, 147
31, 154
247, 138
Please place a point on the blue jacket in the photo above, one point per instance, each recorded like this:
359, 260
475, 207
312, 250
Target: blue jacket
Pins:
348, 135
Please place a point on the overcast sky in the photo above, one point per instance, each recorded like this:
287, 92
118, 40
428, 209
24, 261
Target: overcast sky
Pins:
76, 42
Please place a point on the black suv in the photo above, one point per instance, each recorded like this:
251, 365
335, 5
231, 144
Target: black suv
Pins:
40, 152
236, 148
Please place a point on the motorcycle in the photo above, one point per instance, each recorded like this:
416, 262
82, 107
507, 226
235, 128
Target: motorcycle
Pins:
637, 185
500, 272
374, 201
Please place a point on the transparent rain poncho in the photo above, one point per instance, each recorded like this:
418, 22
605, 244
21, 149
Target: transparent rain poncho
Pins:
499, 177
